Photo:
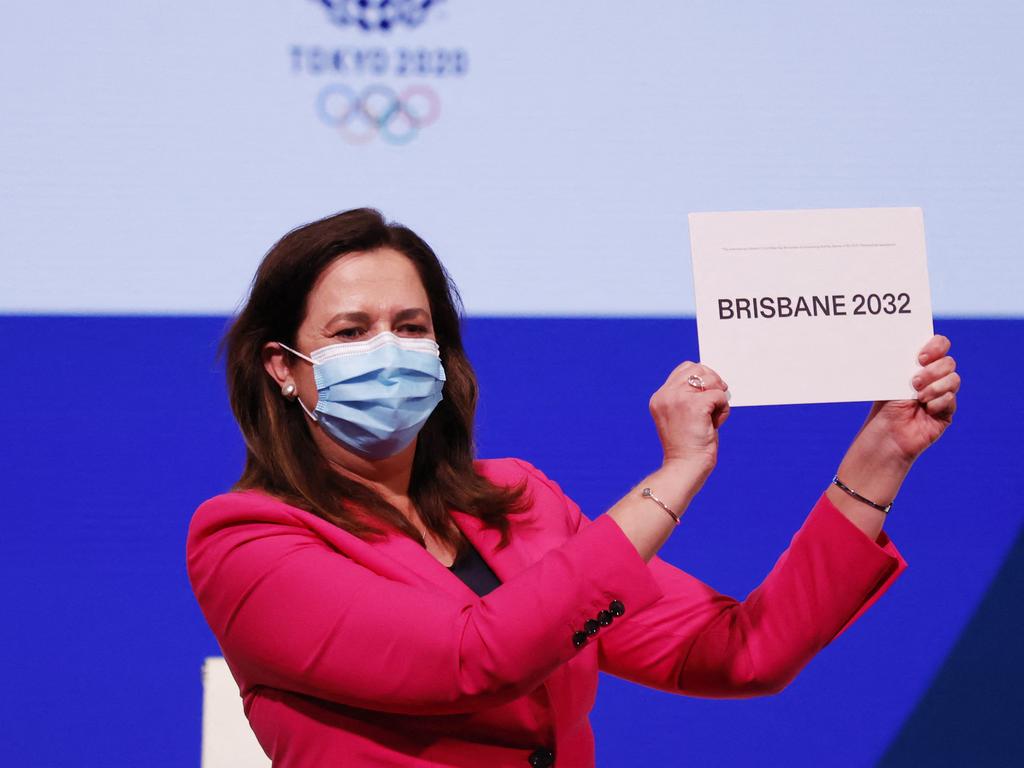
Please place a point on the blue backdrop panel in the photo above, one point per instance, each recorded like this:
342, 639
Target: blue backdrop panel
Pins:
116, 428
973, 710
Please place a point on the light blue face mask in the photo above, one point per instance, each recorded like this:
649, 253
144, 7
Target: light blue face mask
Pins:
374, 396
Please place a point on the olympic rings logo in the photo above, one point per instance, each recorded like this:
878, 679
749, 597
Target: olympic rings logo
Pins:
378, 110
384, 15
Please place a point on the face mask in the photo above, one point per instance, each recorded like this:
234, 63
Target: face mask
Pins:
374, 396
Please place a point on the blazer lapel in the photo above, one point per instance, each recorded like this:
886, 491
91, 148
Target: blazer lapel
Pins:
506, 562
409, 558
405, 554
424, 568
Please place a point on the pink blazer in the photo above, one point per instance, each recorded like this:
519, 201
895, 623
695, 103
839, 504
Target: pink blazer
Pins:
349, 652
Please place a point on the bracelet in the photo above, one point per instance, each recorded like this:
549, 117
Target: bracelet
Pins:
880, 507
646, 493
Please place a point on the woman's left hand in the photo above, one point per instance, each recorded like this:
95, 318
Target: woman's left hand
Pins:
913, 425
895, 434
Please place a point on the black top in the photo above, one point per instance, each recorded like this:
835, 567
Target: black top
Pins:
474, 571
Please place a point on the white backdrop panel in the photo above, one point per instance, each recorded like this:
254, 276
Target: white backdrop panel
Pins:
151, 152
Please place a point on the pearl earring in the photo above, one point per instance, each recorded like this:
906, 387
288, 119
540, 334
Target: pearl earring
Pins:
289, 390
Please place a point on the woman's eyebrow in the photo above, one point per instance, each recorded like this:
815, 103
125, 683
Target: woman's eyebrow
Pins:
412, 313
354, 317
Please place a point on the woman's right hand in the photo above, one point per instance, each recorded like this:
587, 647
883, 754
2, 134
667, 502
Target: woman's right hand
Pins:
688, 419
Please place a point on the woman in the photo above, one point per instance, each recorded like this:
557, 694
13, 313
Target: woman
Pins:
383, 599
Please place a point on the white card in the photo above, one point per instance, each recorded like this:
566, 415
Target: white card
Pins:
812, 306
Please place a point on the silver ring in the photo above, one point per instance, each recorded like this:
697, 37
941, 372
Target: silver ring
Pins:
696, 382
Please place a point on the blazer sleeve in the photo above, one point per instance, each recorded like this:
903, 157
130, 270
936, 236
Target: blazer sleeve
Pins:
291, 612
699, 642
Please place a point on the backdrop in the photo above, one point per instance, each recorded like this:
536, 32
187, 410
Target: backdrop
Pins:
150, 154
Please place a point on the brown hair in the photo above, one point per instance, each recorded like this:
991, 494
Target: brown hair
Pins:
281, 457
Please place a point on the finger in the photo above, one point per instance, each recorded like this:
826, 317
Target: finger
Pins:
707, 375
935, 390
719, 403
933, 372
719, 417
681, 371
934, 348
944, 406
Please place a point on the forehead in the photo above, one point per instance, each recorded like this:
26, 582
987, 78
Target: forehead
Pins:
368, 280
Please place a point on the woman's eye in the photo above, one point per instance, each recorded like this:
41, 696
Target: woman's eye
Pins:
349, 333
413, 329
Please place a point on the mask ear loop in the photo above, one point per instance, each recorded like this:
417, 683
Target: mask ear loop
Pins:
304, 408
295, 352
